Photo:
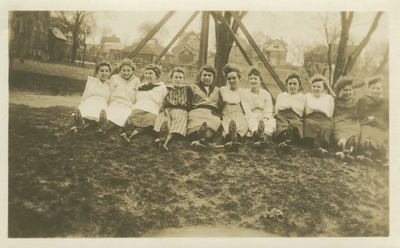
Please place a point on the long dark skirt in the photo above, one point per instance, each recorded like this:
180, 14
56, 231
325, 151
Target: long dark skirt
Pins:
314, 121
375, 134
141, 118
344, 128
287, 117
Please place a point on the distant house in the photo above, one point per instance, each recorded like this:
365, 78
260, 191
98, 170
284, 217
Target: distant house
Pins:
57, 44
148, 53
113, 49
29, 31
276, 52
112, 38
187, 49
236, 55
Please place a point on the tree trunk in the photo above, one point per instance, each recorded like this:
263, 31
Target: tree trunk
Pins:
224, 42
344, 37
76, 28
383, 62
84, 53
330, 64
352, 58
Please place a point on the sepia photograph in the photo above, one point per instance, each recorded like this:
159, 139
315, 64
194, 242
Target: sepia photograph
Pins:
199, 123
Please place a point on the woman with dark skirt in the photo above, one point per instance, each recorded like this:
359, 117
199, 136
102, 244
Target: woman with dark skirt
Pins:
373, 113
203, 118
318, 124
234, 123
347, 127
289, 109
172, 120
148, 103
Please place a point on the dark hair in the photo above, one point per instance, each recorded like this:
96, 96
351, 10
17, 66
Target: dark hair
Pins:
292, 75
375, 80
177, 69
156, 68
127, 62
256, 72
231, 68
343, 82
207, 68
102, 63
319, 78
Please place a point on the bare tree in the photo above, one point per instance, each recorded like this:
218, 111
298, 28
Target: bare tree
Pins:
353, 56
346, 20
145, 28
224, 42
332, 32
106, 31
76, 22
345, 64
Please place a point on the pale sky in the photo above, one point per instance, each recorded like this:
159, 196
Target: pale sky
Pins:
298, 27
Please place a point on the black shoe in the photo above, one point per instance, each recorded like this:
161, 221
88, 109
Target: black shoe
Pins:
232, 131
260, 130
163, 132
366, 161
233, 146
202, 133
319, 139
284, 147
367, 148
289, 135
348, 159
349, 145
103, 120
79, 122
319, 152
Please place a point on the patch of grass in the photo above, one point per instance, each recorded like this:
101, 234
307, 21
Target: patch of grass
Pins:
60, 186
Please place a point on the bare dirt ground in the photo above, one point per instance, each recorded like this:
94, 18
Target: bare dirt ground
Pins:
42, 101
61, 186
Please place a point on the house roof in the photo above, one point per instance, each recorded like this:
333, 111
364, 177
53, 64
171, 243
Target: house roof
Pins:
58, 34
146, 49
184, 34
283, 43
113, 38
186, 48
155, 49
114, 45
186, 45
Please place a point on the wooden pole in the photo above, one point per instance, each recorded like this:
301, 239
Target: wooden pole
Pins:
239, 45
205, 23
147, 37
164, 51
258, 51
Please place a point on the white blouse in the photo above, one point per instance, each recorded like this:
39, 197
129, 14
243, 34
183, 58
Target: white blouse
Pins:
296, 102
94, 87
235, 97
262, 101
151, 100
324, 104
124, 91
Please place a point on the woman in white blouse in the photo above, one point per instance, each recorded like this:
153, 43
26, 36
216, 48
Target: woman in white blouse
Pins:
123, 87
289, 109
318, 125
234, 124
260, 112
148, 103
94, 100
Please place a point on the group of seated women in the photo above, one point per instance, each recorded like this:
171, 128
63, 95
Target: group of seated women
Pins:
201, 111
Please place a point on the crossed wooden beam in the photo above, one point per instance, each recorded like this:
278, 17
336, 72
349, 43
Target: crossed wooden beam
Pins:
204, 39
